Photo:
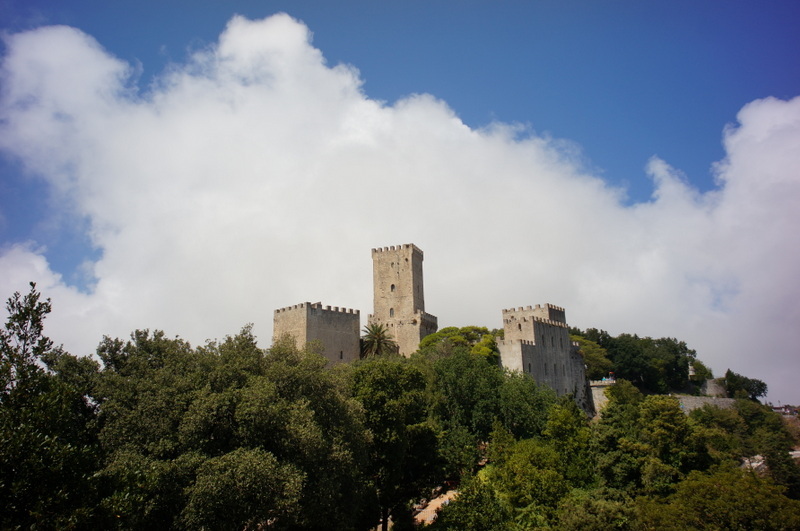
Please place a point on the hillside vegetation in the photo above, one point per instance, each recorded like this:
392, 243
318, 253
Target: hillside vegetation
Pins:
161, 434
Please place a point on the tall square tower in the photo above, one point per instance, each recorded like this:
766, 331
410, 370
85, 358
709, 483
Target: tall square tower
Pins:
398, 296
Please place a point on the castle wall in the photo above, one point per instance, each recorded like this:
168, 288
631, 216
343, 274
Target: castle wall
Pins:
537, 343
337, 329
398, 295
293, 321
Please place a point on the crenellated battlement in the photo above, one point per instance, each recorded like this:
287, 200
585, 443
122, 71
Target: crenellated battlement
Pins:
392, 248
294, 307
318, 306
548, 312
535, 319
425, 316
336, 309
550, 322
530, 308
517, 341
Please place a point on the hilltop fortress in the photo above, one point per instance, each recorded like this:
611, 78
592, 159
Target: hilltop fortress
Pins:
536, 339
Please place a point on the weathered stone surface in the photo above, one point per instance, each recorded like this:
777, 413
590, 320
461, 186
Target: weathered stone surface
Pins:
399, 297
536, 342
689, 403
337, 329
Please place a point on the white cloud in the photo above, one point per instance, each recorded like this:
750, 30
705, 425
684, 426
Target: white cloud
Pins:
256, 176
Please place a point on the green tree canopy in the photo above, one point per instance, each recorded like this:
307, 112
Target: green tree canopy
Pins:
598, 365
723, 498
48, 446
477, 339
738, 386
403, 452
653, 365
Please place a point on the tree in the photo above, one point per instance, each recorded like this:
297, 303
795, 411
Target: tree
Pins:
243, 489
185, 428
596, 358
523, 405
22, 342
654, 365
738, 386
48, 447
529, 482
403, 448
377, 341
466, 392
589, 510
723, 498
645, 446
568, 430
477, 339
476, 508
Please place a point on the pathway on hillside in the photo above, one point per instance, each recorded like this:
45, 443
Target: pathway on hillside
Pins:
428, 514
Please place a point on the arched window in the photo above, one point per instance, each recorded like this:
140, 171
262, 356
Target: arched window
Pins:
392, 288
391, 312
520, 326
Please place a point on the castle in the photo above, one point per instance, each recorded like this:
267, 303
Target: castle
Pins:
536, 339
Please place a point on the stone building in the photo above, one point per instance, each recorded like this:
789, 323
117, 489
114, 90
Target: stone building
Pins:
336, 329
536, 342
398, 295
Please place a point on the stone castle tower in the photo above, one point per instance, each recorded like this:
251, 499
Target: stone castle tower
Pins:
399, 301
336, 329
536, 342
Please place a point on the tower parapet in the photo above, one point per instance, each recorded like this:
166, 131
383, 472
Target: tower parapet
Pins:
397, 248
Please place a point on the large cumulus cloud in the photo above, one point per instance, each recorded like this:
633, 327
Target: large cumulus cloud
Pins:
255, 176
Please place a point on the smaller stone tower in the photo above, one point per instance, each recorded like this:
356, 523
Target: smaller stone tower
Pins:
399, 301
536, 342
335, 328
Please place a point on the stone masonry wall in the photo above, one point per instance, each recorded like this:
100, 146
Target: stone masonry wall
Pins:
539, 346
398, 295
337, 329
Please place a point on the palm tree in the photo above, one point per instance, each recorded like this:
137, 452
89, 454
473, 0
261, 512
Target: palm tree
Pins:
377, 341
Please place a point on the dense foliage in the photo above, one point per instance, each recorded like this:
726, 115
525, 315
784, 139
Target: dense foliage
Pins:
653, 365
738, 386
164, 435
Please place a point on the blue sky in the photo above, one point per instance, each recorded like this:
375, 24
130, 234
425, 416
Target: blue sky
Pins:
624, 102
